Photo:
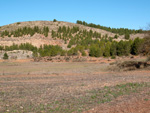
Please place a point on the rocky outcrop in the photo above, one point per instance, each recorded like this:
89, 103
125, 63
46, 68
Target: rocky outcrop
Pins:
17, 54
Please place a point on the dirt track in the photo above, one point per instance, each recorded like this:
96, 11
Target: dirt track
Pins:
28, 85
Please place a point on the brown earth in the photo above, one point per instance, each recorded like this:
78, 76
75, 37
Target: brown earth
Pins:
126, 104
33, 86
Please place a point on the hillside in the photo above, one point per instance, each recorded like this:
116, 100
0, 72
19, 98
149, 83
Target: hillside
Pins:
49, 38
38, 39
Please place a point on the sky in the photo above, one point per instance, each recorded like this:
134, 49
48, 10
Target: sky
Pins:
132, 14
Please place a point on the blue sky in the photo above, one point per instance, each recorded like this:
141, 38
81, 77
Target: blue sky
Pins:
132, 14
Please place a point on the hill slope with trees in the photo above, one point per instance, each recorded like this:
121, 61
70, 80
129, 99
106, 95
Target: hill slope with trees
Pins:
63, 38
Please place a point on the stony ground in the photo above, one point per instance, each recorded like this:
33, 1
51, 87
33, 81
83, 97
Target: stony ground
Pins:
72, 87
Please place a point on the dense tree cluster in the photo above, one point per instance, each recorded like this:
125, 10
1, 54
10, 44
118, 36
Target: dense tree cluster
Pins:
76, 50
106, 48
26, 31
121, 48
120, 31
50, 50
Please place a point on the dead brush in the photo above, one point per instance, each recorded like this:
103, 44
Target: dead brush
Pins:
129, 65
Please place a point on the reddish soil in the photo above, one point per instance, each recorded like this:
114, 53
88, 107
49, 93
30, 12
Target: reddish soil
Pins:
125, 104
48, 82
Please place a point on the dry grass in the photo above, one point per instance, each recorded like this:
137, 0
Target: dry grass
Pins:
130, 64
65, 87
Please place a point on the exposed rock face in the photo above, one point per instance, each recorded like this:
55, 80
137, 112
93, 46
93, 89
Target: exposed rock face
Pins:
17, 54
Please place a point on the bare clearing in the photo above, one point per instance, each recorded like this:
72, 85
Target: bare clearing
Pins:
71, 87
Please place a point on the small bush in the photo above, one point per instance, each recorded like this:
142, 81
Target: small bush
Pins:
5, 56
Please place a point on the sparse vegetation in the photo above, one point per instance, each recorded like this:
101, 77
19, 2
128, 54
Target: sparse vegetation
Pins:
63, 67
82, 103
92, 41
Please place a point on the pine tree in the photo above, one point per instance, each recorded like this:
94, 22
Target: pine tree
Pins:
136, 46
116, 36
120, 48
127, 48
5, 56
113, 49
107, 49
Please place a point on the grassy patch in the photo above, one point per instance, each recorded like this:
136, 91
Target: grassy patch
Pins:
146, 99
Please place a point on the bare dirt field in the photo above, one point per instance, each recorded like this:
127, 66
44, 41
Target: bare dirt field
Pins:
35, 87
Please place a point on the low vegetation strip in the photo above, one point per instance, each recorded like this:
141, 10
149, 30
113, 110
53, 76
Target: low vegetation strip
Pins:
78, 103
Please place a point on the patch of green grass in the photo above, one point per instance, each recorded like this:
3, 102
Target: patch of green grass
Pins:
146, 99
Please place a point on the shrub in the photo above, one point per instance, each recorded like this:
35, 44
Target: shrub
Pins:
5, 56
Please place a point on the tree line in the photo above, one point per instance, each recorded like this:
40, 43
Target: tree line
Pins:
26, 31
120, 31
106, 48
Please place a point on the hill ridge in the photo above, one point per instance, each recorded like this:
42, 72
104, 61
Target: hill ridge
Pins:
55, 25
